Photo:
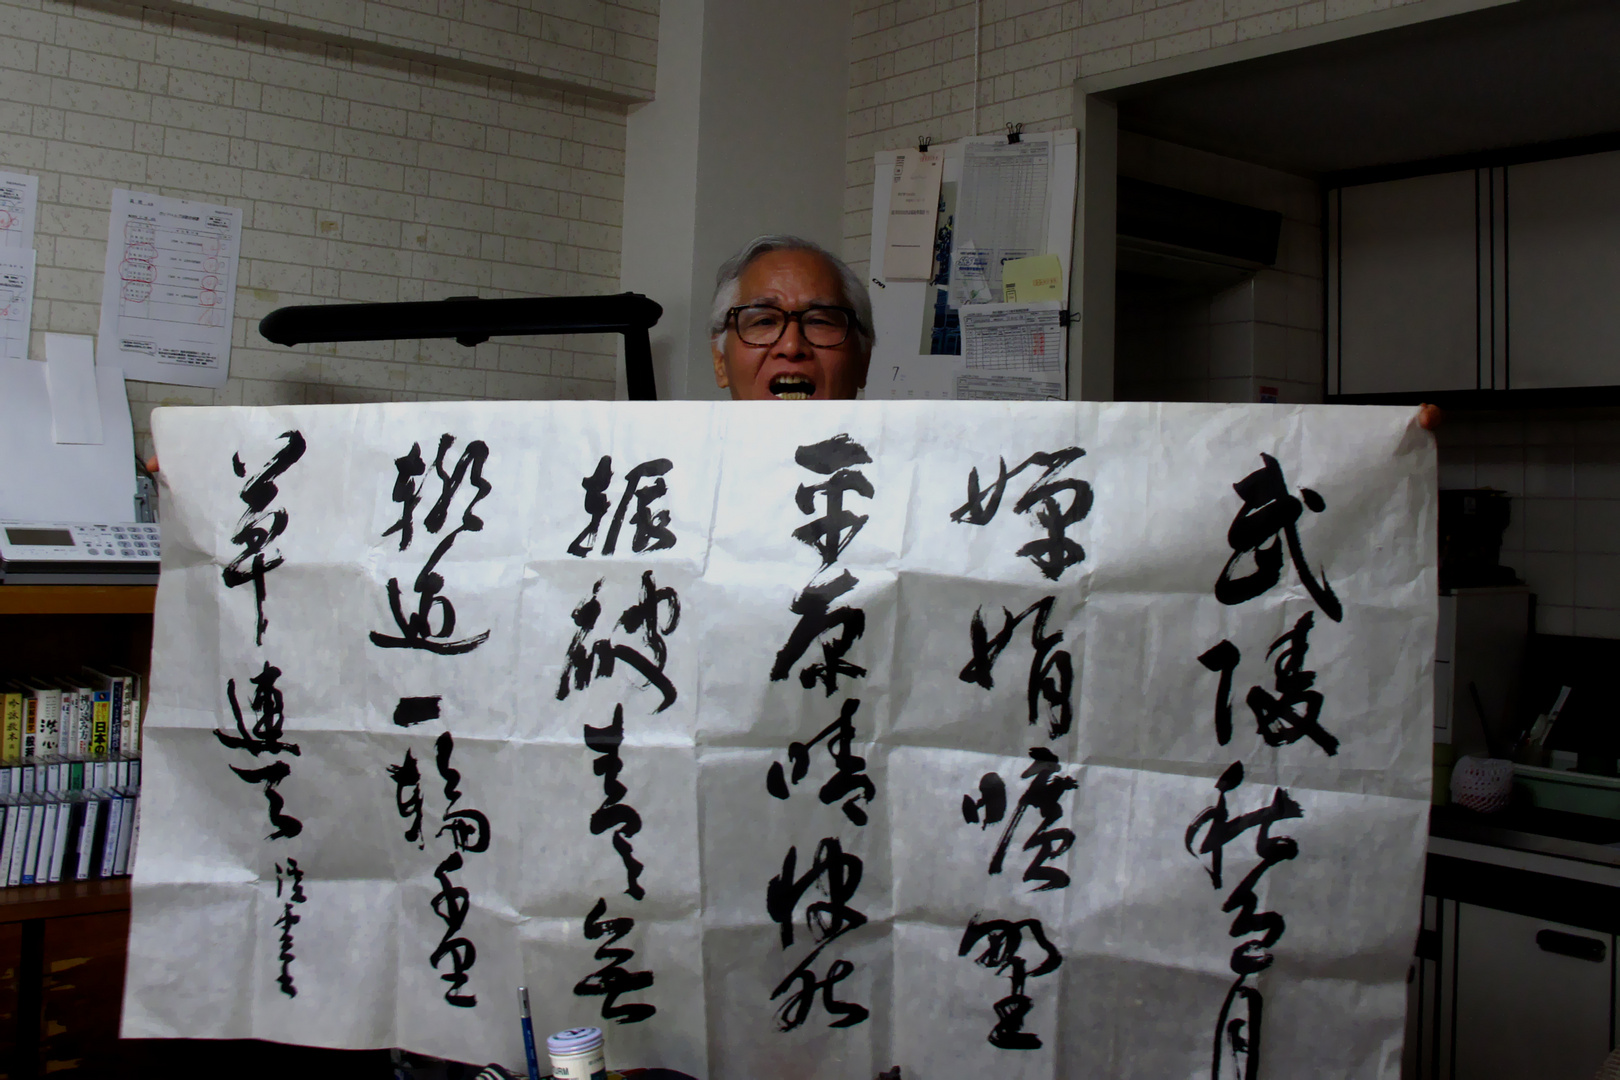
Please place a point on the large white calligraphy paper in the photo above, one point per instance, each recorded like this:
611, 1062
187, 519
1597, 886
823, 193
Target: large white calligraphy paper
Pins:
1028, 740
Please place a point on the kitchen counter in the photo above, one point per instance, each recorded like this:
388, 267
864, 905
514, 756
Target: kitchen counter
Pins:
1531, 829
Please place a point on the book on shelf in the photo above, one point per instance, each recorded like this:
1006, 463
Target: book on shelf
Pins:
69, 778
68, 835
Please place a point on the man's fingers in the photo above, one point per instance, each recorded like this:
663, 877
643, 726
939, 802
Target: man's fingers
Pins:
1430, 417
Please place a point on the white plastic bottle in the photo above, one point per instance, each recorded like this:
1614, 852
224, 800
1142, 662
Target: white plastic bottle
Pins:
577, 1054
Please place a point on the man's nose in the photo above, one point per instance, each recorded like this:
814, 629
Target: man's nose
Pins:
792, 345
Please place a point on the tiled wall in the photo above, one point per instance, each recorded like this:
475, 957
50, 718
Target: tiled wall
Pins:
912, 65
361, 177
1224, 345
610, 45
1563, 470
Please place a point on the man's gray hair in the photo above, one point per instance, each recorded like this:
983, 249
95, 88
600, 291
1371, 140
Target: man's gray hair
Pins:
731, 272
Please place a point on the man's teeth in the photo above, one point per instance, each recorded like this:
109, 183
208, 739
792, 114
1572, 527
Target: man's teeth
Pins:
792, 387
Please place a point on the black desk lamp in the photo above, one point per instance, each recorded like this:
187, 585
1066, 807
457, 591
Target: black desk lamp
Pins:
471, 321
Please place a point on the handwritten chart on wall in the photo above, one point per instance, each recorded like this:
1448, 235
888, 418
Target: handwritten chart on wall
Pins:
1030, 740
169, 289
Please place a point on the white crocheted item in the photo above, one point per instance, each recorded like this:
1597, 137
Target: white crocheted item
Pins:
1482, 784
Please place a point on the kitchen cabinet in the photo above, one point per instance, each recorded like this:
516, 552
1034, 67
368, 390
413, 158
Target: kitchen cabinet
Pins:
1403, 304
1462, 285
1563, 272
1515, 974
1533, 997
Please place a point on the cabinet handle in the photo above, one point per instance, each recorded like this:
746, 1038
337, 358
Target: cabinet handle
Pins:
1581, 948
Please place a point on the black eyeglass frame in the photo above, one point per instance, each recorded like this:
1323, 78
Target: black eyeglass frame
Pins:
853, 327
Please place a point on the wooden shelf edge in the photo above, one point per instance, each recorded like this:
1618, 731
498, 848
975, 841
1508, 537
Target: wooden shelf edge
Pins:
77, 599
21, 902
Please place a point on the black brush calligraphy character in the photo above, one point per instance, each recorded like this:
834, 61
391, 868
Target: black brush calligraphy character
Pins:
1224, 658
825, 919
817, 616
268, 707
408, 472
444, 747
646, 617
407, 778
1055, 552
991, 805
849, 780
1237, 1031
835, 459
286, 826
577, 669
431, 626
1051, 671
596, 505
1239, 1035
411, 711
1219, 828
1280, 719
256, 529
1045, 792
612, 981
1268, 520
451, 904
613, 813
642, 617
1004, 939
286, 921
794, 1011
295, 890
468, 829
651, 531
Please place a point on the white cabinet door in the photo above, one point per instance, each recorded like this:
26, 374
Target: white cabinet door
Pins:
1406, 294
1524, 1009
1563, 261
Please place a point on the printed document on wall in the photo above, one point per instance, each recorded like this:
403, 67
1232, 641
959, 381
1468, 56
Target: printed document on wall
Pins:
1012, 351
169, 290
19, 204
913, 207
1000, 214
16, 302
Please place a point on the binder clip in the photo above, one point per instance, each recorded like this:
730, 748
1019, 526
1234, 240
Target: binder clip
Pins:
1015, 133
923, 142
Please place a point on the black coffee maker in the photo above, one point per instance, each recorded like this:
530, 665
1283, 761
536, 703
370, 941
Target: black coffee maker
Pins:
1472, 521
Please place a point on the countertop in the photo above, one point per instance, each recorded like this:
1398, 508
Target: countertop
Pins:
1532, 829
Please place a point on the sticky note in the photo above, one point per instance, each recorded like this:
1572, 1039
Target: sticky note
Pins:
1039, 277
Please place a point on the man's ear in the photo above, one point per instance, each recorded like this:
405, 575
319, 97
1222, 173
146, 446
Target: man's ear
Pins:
721, 379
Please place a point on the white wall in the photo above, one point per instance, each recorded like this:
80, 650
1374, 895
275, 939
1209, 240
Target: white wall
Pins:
361, 177
763, 152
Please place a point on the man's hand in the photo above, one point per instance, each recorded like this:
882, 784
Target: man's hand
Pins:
1430, 418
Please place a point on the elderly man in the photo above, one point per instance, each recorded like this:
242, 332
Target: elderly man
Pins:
790, 322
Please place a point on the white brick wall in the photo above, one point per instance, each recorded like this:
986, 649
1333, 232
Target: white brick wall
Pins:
609, 45
361, 177
911, 68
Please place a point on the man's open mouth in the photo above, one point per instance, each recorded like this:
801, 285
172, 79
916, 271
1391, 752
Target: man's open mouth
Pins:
792, 387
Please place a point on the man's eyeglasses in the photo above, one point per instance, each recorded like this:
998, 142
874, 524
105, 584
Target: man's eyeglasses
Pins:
763, 324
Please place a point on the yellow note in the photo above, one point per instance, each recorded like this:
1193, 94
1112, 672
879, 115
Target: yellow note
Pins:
1039, 277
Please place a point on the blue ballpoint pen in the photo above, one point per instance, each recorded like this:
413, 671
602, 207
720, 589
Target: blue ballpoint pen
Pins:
528, 1033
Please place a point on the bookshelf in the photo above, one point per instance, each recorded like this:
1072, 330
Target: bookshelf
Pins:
62, 946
